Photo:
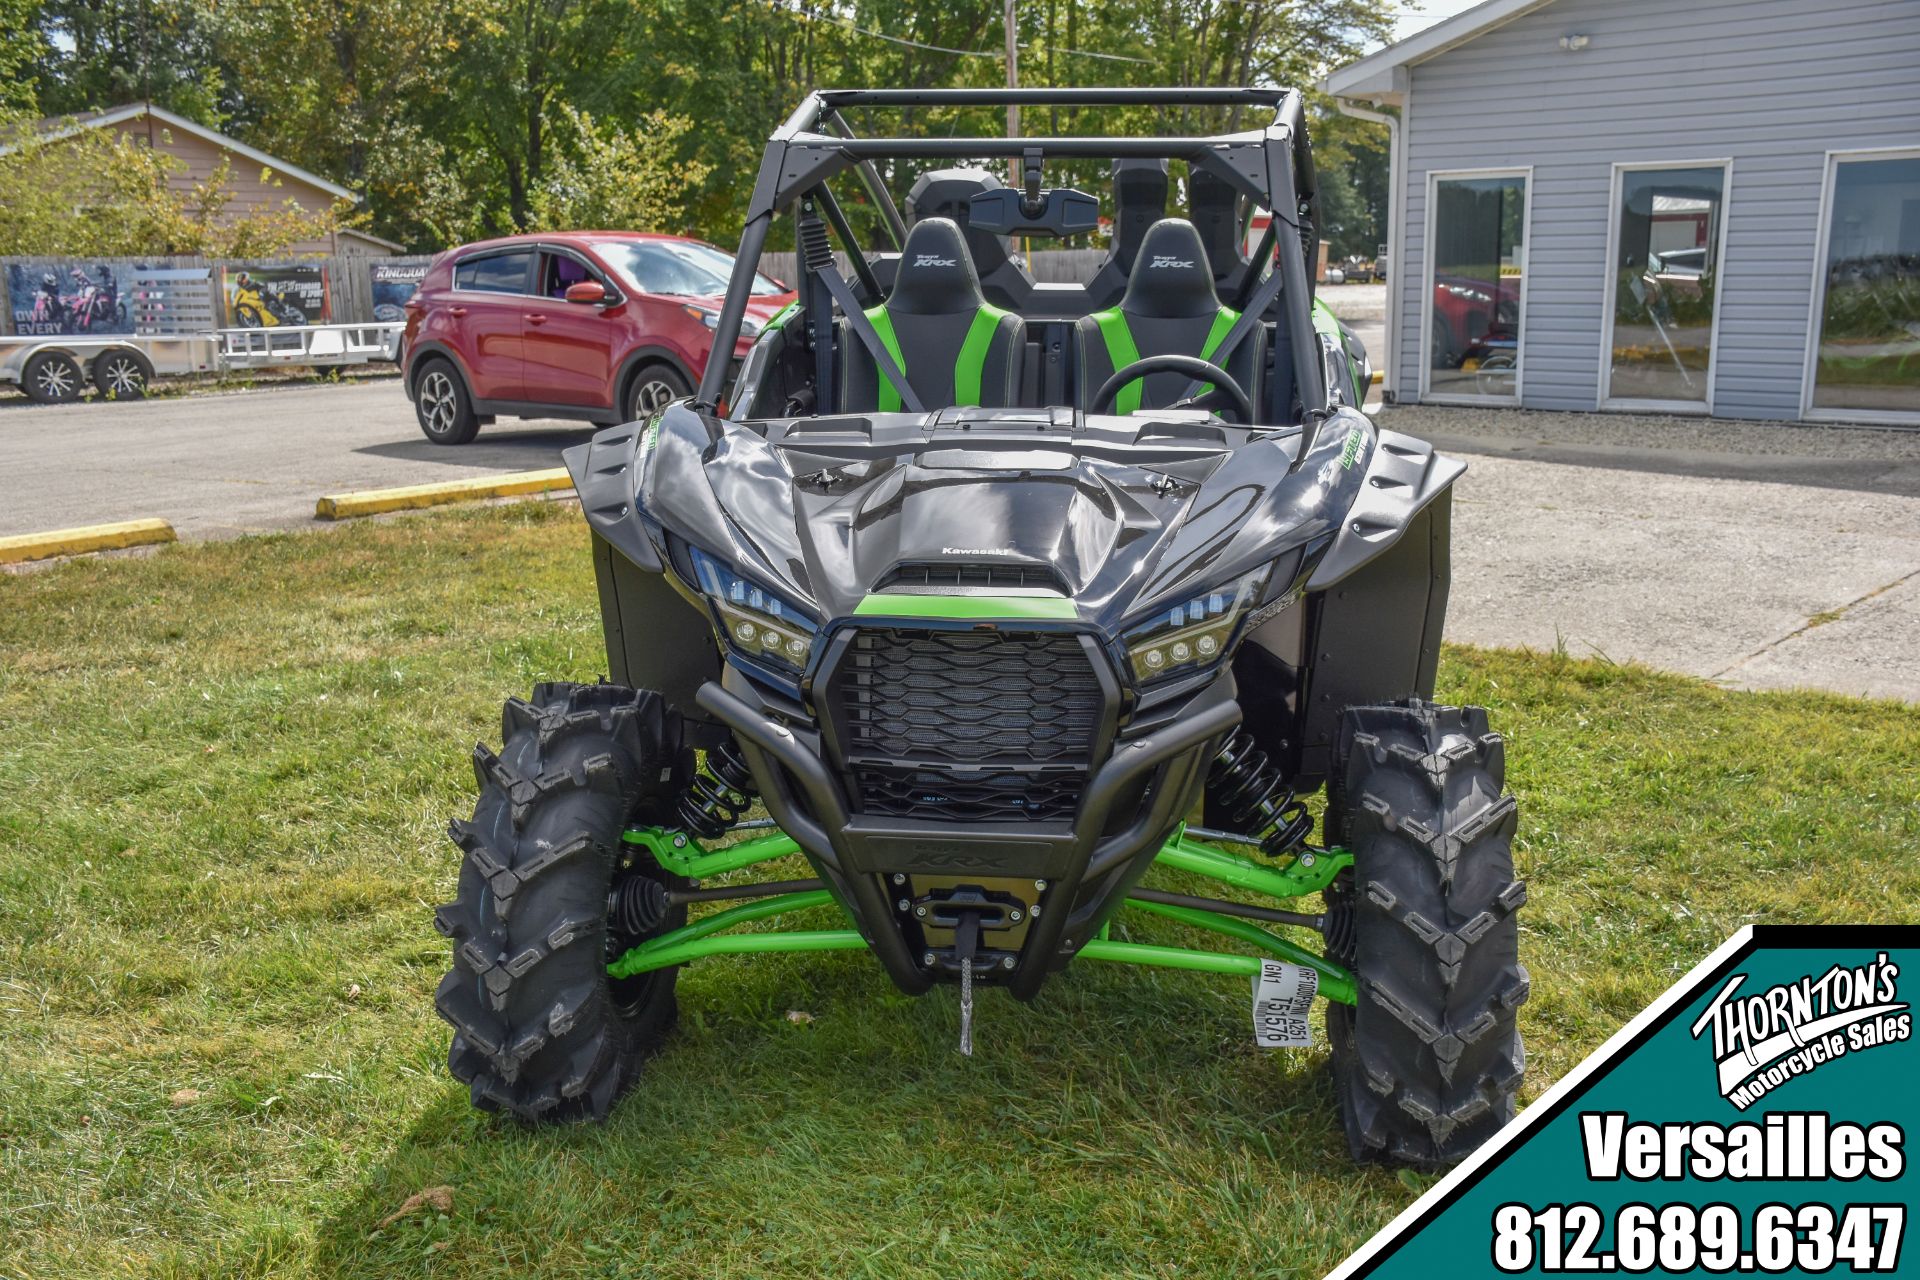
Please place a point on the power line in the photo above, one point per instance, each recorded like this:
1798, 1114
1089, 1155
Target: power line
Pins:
995, 54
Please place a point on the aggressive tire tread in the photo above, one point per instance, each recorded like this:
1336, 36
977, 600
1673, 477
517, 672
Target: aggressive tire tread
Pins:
538, 1030
1428, 1061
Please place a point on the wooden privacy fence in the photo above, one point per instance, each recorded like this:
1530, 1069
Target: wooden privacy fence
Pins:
348, 276
349, 287
1050, 266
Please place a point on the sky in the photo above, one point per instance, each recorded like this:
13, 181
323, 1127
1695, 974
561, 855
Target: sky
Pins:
1424, 13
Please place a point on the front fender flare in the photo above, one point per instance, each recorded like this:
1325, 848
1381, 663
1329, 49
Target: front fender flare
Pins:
1404, 476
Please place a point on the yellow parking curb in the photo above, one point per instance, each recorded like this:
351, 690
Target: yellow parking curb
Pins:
92, 537
342, 506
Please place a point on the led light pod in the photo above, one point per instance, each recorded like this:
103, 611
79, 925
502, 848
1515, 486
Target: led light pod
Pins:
758, 625
1193, 635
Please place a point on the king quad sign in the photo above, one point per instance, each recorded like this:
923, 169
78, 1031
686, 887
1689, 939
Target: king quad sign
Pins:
1753, 1121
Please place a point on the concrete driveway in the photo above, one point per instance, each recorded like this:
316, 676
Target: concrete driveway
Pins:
1759, 556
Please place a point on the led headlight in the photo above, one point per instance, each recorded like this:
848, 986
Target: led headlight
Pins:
1193, 635
757, 624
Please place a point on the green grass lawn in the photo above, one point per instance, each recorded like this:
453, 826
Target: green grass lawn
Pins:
224, 776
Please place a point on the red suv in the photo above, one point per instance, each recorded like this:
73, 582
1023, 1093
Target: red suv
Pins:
601, 325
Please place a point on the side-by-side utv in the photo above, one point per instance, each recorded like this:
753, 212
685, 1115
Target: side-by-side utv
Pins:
1002, 597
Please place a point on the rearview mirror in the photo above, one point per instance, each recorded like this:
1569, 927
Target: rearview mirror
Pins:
1062, 212
589, 292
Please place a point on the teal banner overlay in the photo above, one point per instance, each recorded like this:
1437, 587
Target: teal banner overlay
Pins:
1755, 1121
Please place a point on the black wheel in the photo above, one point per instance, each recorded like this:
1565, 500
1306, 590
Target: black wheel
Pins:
441, 405
540, 1030
1427, 1064
248, 316
53, 377
122, 375
653, 388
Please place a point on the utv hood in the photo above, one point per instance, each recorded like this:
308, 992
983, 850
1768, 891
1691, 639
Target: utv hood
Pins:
1119, 515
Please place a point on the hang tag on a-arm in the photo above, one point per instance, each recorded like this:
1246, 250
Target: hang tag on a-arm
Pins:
1282, 998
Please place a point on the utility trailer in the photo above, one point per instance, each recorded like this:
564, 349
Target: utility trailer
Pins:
57, 369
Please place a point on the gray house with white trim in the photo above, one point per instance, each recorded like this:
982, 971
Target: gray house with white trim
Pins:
1701, 207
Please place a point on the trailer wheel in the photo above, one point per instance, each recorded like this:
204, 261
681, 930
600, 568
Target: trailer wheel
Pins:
122, 374
53, 377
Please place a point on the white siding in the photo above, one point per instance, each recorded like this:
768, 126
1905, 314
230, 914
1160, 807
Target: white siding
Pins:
1771, 84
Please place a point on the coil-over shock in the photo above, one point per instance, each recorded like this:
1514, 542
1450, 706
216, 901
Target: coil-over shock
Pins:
719, 793
1253, 790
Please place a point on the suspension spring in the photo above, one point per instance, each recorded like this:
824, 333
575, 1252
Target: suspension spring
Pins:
719, 793
1252, 789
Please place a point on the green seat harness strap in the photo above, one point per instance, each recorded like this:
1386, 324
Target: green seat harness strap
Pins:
1122, 351
969, 368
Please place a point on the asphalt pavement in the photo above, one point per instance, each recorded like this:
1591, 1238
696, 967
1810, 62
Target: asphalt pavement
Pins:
1758, 556
238, 462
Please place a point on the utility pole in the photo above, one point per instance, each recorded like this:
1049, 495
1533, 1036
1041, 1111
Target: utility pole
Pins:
1013, 81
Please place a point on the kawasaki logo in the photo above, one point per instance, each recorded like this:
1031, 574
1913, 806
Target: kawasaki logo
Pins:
1167, 260
973, 551
934, 260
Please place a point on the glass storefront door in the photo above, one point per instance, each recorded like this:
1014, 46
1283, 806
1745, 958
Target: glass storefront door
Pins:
1477, 248
1666, 266
1867, 361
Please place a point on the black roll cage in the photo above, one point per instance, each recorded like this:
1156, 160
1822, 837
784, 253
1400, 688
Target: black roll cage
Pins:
1272, 165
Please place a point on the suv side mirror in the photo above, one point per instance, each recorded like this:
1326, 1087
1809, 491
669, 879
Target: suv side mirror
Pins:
588, 292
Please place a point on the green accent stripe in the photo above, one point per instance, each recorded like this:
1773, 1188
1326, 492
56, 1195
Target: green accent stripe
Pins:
888, 400
969, 608
1222, 323
969, 371
1121, 352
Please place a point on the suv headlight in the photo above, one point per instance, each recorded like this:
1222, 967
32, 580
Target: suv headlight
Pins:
1193, 635
757, 624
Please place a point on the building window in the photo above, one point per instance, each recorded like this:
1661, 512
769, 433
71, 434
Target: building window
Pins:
1476, 238
1865, 357
1669, 230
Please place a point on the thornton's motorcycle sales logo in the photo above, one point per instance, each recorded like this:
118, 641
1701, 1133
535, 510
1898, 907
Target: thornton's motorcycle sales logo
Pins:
1764, 1039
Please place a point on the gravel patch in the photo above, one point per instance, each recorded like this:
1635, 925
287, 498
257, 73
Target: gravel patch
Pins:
1510, 428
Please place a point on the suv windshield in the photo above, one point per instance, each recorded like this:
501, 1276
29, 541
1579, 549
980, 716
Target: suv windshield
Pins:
676, 266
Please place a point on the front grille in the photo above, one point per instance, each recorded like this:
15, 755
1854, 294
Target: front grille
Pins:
969, 725
1037, 795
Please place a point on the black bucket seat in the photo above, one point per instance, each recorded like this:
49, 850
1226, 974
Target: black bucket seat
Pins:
954, 347
1169, 308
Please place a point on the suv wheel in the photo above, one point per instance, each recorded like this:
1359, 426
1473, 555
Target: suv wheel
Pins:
653, 389
441, 405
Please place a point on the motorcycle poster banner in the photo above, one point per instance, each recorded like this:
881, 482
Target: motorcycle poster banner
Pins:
274, 295
391, 284
172, 300
65, 299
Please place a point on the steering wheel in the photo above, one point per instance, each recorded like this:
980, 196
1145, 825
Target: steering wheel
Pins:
1193, 366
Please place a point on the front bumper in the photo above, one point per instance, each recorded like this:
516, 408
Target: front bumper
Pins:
1088, 863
